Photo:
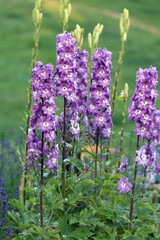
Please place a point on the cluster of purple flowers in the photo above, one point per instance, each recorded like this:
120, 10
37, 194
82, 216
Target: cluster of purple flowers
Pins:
98, 109
142, 109
43, 117
4, 209
82, 75
70, 79
147, 156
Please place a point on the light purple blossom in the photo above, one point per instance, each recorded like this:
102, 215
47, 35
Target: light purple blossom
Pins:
147, 156
142, 109
124, 185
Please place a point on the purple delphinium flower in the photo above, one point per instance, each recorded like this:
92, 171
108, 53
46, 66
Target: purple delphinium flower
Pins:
43, 112
65, 74
123, 165
81, 79
142, 109
158, 168
98, 110
124, 185
66, 81
147, 156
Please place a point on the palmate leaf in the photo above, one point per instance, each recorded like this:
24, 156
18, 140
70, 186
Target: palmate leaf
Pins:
81, 234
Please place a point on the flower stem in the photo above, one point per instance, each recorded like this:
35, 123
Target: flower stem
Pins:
145, 169
64, 149
33, 63
97, 142
41, 183
122, 127
117, 77
133, 188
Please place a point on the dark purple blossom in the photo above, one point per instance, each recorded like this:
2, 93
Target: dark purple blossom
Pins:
43, 112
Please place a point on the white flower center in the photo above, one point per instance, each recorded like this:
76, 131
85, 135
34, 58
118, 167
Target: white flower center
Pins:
145, 86
45, 91
99, 93
141, 94
60, 44
70, 75
123, 185
64, 89
105, 100
143, 129
52, 134
68, 40
53, 160
37, 80
81, 107
100, 119
34, 94
144, 103
137, 111
65, 66
105, 81
49, 109
43, 73
102, 72
146, 116
67, 55
45, 124
92, 106
56, 77
93, 82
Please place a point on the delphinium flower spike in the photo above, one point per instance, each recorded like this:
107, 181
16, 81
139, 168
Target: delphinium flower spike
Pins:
143, 112
64, 79
98, 110
42, 125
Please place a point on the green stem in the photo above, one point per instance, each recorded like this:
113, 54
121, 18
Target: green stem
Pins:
29, 105
41, 183
122, 127
133, 188
97, 143
64, 149
117, 77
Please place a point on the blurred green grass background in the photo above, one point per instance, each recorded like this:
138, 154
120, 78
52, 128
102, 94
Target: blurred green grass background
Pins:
16, 43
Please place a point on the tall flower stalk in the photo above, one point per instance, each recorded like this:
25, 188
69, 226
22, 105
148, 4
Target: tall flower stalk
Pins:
98, 109
143, 112
41, 137
124, 27
64, 79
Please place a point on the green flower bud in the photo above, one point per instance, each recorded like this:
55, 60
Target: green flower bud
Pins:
101, 29
37, 16
65, 16
90, 40
69, 8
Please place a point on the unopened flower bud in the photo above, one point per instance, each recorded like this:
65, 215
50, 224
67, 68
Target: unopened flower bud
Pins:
69, 8
101, 29
65, 16
126, 90
90, 40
